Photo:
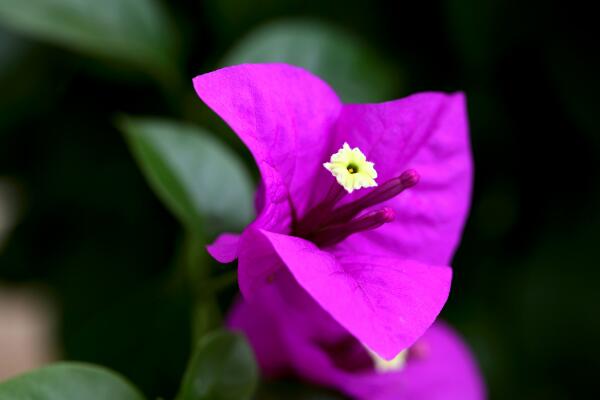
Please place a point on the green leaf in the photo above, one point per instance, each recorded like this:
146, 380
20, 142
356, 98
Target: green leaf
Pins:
69, 381
11, 49
222, 368
135, 32
198, 178
348, 65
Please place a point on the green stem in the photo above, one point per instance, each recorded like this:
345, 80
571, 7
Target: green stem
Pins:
222, 281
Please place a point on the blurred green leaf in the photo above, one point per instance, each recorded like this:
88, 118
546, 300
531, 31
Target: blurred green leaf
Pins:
292, 389
222, 368
136, 32
11, 49
206, 316
353, 69
201, 181
69, 381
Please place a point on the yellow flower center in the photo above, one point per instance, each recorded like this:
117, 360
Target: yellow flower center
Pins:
382, 365
351, 169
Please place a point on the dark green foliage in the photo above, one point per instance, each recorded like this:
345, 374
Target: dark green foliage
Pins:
101, 226
69, 381
221, 368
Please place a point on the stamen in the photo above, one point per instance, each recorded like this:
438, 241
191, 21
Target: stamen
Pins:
314, 216
327, 224
388, 190
336, 233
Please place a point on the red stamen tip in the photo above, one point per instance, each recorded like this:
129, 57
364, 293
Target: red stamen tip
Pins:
388, 214
410, 178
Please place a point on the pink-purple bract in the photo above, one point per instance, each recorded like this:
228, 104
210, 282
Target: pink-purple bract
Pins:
386, 285
292, 336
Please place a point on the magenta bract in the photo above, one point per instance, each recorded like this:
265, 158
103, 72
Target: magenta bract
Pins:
385, 278
292, 335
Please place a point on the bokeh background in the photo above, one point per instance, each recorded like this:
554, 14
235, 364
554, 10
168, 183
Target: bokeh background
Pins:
86, 246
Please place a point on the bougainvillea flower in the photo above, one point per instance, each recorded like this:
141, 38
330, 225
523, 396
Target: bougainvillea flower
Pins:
307, 343
377, 258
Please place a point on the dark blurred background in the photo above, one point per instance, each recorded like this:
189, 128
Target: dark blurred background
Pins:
79, 224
